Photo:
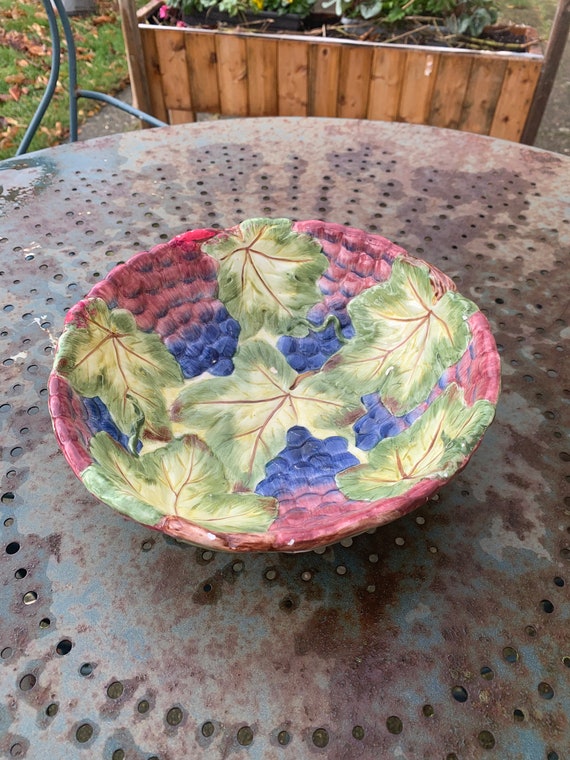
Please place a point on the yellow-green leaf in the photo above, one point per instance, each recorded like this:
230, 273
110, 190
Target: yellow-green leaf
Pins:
268, 275
183, 478
406, 335
245, 417
103, 353
434, 446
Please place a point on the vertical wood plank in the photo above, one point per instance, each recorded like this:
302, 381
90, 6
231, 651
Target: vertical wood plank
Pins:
559, 32
180, 117
135, 57
324, 67
231, 54
202, 63
483, 89
449, 90
354, 81
517, 92
292, 77
262, 76
417, 86
171, 51
157, 106
388, 65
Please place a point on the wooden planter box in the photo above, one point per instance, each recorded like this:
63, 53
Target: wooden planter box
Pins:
179, 72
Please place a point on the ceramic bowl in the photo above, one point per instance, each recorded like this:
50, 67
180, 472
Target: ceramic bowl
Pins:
276, 386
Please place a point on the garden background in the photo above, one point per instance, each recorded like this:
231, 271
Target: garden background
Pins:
25, 63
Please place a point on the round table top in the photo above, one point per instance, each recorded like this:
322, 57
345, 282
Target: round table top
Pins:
442, 635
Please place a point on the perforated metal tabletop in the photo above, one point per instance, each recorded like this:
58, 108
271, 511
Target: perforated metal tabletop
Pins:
442, 636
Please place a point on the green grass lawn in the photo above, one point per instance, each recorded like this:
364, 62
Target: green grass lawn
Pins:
25, 62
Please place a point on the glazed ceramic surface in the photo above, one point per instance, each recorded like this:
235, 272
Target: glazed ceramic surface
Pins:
272, 387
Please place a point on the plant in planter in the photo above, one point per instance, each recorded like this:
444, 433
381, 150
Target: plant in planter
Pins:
459, 16
242, 69
282, 14
449, 22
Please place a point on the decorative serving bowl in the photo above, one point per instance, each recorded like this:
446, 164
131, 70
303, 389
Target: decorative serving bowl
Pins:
276, 386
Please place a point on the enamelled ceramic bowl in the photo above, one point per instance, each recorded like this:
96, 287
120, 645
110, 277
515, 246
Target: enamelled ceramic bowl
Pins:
276, 386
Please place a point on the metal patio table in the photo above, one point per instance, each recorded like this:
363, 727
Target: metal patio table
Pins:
442, 636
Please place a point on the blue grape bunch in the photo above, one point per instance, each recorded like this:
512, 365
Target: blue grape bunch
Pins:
304, 464
206, 343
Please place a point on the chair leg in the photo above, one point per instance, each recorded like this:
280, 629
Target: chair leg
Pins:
72, 55
52, 81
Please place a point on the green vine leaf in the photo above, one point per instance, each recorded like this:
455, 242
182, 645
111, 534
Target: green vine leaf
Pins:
268, 275
244, 417
103, 353
433, 447
182, 478
406, 335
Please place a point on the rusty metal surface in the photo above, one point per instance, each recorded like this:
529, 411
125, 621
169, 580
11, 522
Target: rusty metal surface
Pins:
442, 636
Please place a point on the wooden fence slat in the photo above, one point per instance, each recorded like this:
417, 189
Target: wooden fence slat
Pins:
354, 82
519, 84
557, 39
180, 117
157, 106
485, 82
324, 65
449, 90
135, 56
203, 67
417, 86
173, 69
292, 77
385, 83
231, 54
262, 76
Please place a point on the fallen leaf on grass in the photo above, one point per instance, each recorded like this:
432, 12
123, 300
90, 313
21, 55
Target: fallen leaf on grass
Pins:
56, 134
99, 20
13, 13
8, 136
40, 30
15, 78
20, 41
85, 55
16, 92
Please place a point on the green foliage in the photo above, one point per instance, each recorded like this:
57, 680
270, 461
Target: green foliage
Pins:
472, 17
237, 7
460, 16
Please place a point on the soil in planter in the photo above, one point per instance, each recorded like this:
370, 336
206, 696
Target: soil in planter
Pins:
504, 35
278, 22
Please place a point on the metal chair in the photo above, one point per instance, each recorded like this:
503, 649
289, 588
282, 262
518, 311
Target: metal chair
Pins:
51, 6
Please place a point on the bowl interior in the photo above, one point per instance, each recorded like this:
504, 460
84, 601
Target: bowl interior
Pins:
272, 387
